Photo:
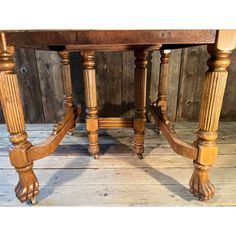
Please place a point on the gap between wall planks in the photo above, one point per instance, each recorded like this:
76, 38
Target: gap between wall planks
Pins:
42, 90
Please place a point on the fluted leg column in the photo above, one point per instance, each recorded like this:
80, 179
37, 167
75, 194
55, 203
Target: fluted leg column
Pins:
66, 76
212, 97
28, 186
140, 80
91, 102
163, 83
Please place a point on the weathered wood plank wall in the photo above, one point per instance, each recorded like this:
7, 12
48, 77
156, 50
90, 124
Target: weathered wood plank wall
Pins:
42, 90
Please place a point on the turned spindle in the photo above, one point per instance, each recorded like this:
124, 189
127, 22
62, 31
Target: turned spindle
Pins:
163, 80
91, 101
67, 86
140, 81
66, 76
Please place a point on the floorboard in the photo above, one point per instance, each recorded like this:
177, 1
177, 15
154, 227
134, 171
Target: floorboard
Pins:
70, 177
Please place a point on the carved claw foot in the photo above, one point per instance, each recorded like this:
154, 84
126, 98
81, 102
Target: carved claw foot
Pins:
200, 185
28, 185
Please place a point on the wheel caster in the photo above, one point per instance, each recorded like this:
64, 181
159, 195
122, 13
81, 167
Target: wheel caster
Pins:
158, 131
140, 156
33, 201
70, 133
95, 157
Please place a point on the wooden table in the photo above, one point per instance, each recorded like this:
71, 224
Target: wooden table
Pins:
203, 151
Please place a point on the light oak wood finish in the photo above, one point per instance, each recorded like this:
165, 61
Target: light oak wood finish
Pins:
140, 82
65, 69
212, 98
28, 186
66, 76
177, 144
111, 47
22, 153
48, 146
163, 83
115, 122
203, 151
67, 124
161, 102
71, 178
159, 112
91, 101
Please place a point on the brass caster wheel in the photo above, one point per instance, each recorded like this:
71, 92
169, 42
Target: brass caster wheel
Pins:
70, 133
33, 201
158, 131
140, 156
95, 157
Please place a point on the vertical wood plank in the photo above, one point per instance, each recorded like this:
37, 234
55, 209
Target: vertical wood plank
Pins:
127, 85
76, 65
229, 105
193, 68
202, 68
27, 75
188, 82
42, 89
174, 70
109, 73
51, 85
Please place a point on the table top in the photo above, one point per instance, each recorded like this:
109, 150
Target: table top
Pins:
107, 39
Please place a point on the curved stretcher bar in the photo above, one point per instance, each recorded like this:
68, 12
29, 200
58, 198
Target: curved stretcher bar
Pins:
178, 145
48, 146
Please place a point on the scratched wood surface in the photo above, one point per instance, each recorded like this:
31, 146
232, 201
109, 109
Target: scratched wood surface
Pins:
42, 90
70, 177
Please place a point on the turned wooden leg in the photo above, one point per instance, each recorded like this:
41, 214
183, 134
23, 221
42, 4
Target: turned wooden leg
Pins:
140, 79
91, 102
212, 97
28, 186
161, 101
163, 83
66, 76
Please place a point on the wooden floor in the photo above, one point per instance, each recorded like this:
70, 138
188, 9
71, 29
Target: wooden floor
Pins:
70, 177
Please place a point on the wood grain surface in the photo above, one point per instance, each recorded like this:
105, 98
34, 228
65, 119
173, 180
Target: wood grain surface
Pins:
41, 39
39, 72
70, 177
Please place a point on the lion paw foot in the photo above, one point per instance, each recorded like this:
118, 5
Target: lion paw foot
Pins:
200, 185
28, 185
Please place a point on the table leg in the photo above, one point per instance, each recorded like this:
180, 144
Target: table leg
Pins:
163, 84
91, 102
212, 97
66, 76
140, 79
28, 186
